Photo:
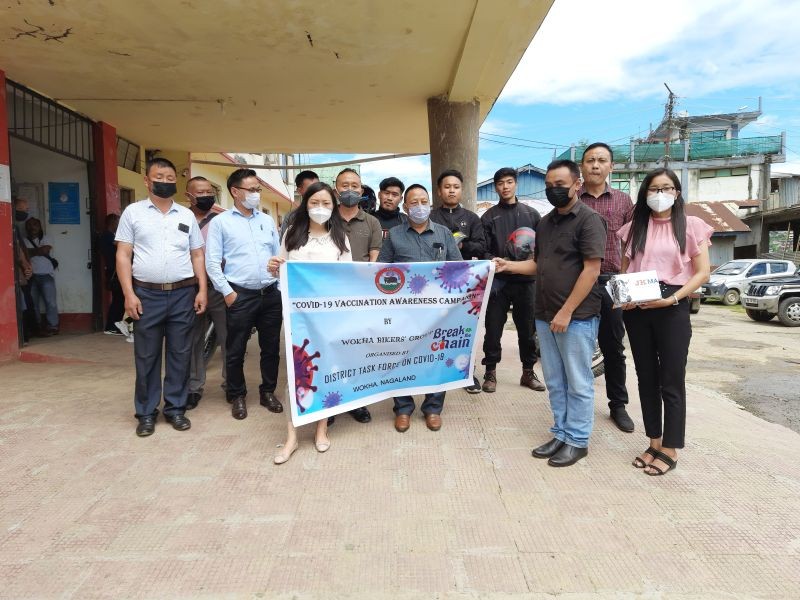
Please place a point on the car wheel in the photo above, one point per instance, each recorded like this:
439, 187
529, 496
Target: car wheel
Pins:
731, 298
694, 307
759, 315
789, 312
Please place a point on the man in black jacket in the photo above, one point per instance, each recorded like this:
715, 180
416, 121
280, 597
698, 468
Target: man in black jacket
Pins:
465, 225
388, 212
509, 227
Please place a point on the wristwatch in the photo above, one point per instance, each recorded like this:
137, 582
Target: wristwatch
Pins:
676, 300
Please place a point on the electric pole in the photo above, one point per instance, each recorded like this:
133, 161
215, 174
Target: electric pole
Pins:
669, 108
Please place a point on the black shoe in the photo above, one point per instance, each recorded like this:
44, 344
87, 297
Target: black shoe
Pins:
567, 455
193, 400
621, 419
361, 415
475, 388
270, 402
547, 450
239, 408
146, 426
331, 421
179, 422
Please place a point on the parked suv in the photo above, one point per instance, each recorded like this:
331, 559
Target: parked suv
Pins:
727, 282
780, 296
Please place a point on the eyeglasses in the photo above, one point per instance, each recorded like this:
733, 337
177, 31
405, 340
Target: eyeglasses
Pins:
667, 188
255, 190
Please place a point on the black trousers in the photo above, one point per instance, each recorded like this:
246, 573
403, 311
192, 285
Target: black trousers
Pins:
116, 310
659, 340
609, 336
261, 309
167, 320
520, 297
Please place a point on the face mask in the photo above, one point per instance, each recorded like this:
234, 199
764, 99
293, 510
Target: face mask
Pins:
251, 200
204, 203
349, 198
419, 214
558, 196
659, 202
21, 215
163, 189
320, 214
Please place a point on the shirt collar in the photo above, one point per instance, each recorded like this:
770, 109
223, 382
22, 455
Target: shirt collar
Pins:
572, 211
236, 210
583, 191
429, 227
172, 207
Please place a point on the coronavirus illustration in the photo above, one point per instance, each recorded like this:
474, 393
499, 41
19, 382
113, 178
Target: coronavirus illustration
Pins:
417, 283
475, 295
453, 275
304, 369
332, 399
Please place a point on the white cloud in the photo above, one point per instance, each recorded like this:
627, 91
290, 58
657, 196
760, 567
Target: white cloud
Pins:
597, 51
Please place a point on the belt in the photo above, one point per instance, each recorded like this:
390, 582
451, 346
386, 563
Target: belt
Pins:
604, 277
166, 287
272, 287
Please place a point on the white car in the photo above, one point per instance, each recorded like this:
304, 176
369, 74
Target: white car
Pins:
728, 282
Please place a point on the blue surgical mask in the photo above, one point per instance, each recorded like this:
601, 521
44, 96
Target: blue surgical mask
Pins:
419, 214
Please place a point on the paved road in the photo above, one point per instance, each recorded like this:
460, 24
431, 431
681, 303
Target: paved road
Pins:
755, 364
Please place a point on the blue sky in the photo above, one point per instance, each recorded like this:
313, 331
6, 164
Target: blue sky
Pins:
595, 70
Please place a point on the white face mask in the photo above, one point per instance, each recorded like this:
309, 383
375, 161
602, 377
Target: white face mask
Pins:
320, 214
660, 201
251, 200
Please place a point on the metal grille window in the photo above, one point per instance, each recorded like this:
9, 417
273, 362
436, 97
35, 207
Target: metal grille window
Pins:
42, 121
128, 155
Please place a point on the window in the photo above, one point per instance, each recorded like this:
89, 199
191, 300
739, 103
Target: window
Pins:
757, 269
778, 267
621, 182
128, 155
698, 137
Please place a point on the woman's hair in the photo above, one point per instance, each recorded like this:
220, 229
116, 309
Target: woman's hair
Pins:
637, 236
297, 232
29, 226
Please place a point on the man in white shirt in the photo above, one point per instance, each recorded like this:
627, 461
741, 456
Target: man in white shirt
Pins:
161, 269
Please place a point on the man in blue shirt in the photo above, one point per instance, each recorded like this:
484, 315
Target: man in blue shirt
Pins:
419, 240
240, 243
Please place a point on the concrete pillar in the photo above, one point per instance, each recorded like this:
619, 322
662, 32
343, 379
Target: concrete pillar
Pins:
9, 338
106, 202
453, 132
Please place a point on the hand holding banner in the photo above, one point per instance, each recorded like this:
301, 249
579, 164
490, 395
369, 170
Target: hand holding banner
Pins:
358, 333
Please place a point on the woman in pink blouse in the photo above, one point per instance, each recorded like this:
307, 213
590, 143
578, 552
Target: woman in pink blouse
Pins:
660, 237
316, 233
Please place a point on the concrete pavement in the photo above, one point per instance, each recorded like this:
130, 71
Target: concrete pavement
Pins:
88, 510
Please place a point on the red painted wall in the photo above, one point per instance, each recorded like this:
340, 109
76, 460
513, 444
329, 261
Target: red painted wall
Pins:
106, 184
9, 340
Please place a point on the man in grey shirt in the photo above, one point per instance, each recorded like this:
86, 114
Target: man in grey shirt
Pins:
419, 240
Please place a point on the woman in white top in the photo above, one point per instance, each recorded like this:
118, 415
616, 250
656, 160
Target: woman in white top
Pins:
316, 233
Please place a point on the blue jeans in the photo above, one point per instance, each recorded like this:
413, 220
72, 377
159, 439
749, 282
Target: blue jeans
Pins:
567, 368
432, 405
43, 289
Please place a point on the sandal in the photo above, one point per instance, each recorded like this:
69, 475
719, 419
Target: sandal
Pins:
667, 460
639, 463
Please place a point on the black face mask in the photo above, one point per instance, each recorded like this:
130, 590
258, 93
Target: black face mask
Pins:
163, 189
205, 203
558, 196
21, 215
349, 198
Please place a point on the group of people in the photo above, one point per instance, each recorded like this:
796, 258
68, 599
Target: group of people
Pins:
167, 253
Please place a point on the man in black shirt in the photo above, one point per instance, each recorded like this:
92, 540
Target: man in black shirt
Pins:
510, 228
571, 243
388, 213
466, 226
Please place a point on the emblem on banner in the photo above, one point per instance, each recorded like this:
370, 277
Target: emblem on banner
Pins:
390, 280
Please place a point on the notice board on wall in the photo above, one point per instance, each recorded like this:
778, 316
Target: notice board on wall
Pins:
64, 203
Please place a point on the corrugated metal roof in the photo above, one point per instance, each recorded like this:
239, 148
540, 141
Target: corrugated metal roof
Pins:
718, 216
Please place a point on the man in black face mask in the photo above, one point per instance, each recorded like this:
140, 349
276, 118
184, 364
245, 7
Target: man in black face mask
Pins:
202, 197
364, 234
161, 269
570, 246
